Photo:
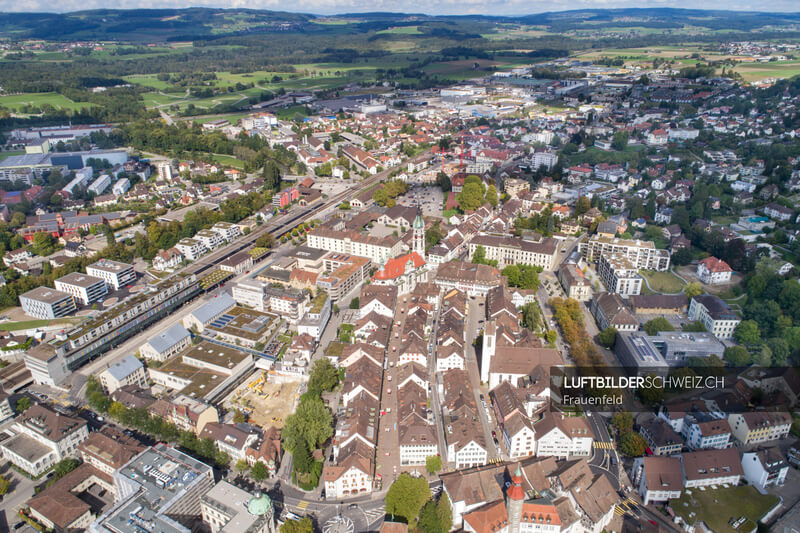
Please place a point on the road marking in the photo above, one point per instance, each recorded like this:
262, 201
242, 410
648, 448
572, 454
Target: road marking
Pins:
604, 445
302, 505
619, 511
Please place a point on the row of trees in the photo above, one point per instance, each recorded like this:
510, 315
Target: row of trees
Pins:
311, 425
385, 195
569, 315
155, 426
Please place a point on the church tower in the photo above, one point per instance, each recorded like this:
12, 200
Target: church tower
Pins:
515, 498
419, 236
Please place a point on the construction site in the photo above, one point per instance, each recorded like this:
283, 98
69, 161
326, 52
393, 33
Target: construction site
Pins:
266, 402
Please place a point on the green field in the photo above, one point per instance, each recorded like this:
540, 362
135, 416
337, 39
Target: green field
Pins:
15, 102
666, 282
3, 155
228, 161
402, 30
716, 507
775, 69
30, 324
148, 80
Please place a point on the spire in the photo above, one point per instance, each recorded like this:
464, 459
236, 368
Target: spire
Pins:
515, 491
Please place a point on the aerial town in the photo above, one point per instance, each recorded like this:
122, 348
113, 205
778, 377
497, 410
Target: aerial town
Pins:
356, 329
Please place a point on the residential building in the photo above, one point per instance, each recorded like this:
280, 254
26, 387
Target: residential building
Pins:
191, 248
778, 212
657, 478
619, 275
758, 427
166, 344
610, 310
109, 449
475, 280
114, 273
46, 303
716, 315
575, 284
563, 436
127, 371
167, 259
187, 413
316, 317
350, 477
227, 230
230, 439
713, 271
85, 289
709, 468
703, 431
660, 437
344, 273
42, 437
765, 468
237, 263
643, 254
514, 251
228, 509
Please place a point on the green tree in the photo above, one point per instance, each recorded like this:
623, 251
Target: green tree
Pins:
5, 484
259, 471
311, 425
620, 141
737, 356
355, 303
512, 272
239, 417
272, 176
433, 464
323, 376
406, 497
304, 525
471, 197
608, 337
747, 332
695, 326
780, 350
653, 326
651, 395
301, 459
693, 289
491, 195
241, 465
445, 512
632, 444
23, 404
429, 519
623, 422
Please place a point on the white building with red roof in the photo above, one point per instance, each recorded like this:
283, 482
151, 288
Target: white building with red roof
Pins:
713, 271
403, 272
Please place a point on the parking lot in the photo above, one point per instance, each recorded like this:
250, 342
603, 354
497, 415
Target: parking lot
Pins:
429, 199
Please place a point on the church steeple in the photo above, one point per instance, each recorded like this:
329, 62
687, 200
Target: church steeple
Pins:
419, 235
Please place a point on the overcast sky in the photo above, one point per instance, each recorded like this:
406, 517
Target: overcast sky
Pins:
433, 7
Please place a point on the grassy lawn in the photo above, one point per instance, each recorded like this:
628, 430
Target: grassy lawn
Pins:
663, 281
148, 80
228, 161
3, 155
17, 101
774, 69
716, 507
29, 324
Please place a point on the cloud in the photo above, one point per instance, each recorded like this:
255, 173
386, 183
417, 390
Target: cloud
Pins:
434, 7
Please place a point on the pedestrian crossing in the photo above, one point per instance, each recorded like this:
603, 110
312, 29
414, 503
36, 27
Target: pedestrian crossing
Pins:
626, 506
374, 514
302, 505
604, 445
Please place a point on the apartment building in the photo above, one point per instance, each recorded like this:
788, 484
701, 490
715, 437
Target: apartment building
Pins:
642, 254
191, 248
166, 344
227, 230
759, 427
658, 478
46, 303
42, 437
344, 273
713, 271
209, 238
114, 273
85, 289
716, 315
619, 275
575, 284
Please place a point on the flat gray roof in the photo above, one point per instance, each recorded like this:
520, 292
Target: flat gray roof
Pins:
80, 280
45, 294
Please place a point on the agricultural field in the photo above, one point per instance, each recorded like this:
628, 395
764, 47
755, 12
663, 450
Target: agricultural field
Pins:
516, 32
16, 102
775, 69
402, 30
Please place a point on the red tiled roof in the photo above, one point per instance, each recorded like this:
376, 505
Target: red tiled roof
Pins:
396, 267
716, 265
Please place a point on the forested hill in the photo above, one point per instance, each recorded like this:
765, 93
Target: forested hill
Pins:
149, 25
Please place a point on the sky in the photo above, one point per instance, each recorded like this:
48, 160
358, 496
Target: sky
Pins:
431, 7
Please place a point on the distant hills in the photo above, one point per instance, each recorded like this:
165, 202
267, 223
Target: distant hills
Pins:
146, 25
